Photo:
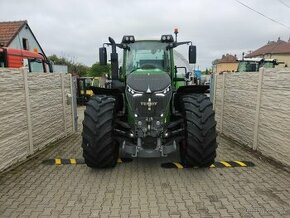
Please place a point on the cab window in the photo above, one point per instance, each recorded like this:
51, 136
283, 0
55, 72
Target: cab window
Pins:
36, 66
148, 55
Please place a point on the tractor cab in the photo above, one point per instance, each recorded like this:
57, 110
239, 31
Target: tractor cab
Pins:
254, 64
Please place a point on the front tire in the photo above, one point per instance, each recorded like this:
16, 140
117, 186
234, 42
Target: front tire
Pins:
100, 150
199, 146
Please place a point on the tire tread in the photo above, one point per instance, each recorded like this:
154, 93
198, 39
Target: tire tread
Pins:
199, 148
99, 147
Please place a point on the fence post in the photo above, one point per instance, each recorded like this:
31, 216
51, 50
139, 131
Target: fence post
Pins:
63, 102
222, 101
73, 102
258, 106
214, 90
28, 111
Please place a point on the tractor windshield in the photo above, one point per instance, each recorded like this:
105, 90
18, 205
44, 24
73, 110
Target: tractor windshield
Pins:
147, 55
248, 66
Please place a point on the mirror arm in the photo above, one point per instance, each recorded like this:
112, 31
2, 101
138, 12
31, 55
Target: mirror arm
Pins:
183, 43
122, 46
175, 44
107, 44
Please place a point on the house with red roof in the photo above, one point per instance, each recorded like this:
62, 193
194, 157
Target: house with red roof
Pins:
279, 50
18, 34
228, 63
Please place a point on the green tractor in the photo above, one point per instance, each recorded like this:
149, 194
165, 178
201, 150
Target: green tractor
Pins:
254, 64
147, 111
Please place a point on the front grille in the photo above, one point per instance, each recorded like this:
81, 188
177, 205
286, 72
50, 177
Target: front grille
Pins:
143, 107
148, 105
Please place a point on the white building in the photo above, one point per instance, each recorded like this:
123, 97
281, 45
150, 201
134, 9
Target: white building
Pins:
17, 34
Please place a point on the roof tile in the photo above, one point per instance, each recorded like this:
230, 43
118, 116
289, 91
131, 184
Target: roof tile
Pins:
228, 58
279, 47
8, 31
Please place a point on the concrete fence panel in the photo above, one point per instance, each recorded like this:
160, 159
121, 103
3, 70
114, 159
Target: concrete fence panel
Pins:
35, 110
46, 108
240, 107
274, 118
253, 108
14, 139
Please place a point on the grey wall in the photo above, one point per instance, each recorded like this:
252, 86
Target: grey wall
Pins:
35, 110
254, 109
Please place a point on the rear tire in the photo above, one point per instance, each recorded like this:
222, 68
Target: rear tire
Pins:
100, 150
199, 146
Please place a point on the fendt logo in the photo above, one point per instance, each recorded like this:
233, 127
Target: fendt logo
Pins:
149, 103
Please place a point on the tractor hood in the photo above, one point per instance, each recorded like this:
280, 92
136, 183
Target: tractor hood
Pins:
148, 93
148, 82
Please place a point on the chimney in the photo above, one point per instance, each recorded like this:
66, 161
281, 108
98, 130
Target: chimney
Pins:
289, 40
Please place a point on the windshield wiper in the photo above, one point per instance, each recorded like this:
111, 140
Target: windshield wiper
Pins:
137, 68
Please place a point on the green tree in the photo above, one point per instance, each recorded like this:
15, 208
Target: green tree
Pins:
99, 70
206, 71
77, 68
58, 60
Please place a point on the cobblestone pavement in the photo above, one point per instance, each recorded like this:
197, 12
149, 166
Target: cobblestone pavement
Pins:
142, 188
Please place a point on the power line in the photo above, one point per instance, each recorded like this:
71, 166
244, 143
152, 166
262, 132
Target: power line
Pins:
284, 3
269, 18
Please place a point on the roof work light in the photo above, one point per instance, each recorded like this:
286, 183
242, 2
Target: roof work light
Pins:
128, 39
167, 38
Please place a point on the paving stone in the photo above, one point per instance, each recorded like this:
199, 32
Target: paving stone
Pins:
142, 188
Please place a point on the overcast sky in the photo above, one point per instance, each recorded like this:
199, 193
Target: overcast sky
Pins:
75, 29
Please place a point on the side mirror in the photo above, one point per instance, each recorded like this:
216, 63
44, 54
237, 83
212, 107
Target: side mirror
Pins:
50, 66
103, 56
192, 54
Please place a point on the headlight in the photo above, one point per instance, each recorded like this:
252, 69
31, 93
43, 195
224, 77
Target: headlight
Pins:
134, 92
164, 91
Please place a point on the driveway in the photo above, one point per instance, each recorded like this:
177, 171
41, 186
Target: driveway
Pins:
142, 188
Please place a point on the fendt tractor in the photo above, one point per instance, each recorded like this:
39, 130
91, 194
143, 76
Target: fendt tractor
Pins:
147, 112
254, 64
